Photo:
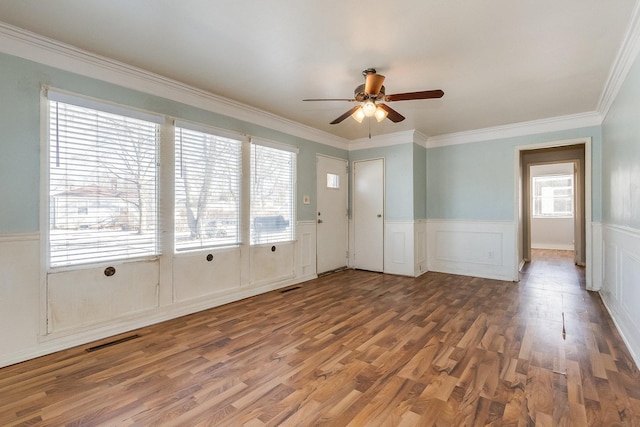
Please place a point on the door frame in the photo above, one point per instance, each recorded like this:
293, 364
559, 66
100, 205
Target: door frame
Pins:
517, 208
576, 220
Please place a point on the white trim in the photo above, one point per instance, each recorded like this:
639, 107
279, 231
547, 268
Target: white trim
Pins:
19, 237
43, 216
533, 127
627, 231
67, 97
624, 60
553, 246
210, 130
274, 144
25, 44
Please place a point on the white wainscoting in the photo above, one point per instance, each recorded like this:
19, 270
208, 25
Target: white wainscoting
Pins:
272, 263
194, 276
420, 247
306, 250
621, 282
71, 296
405, 247
20, 308
399, 248
472, 248
85, 297
595, 259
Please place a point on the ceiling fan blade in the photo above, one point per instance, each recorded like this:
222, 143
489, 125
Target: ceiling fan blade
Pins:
330, 99
345, 115
373, 84
425, 94
392, 114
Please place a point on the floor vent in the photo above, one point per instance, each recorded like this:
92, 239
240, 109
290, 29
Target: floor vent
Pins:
110, 343
289, 290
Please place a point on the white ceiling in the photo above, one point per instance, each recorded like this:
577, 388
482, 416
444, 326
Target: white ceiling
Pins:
498, 62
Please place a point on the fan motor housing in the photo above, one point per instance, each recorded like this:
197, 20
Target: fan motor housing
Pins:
360, 96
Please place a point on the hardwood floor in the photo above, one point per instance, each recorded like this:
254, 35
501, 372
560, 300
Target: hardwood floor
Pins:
354, 348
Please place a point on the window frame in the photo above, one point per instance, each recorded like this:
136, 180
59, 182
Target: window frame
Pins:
196, 127
294, 177
538, 214
49, 95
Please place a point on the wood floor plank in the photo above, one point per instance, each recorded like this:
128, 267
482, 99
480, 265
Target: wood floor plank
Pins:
354, 348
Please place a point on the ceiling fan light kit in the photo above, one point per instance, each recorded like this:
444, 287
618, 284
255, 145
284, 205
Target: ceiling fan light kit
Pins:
371, 91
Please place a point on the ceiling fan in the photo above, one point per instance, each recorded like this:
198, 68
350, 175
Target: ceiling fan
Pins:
371, 91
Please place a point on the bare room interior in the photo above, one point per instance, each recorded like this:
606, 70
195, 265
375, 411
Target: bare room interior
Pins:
320, 213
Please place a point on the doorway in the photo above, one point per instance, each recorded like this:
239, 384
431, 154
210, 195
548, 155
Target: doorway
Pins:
578, 153
554, 207
332, 227
368, 214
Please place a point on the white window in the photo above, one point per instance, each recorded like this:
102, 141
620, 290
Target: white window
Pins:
273, 172
207, 187
552, 195
333, 181
102, 182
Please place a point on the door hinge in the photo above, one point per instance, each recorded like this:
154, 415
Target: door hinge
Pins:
347, 254
347, 169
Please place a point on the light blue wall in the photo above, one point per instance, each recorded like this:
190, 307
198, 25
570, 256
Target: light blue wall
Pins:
476, 181
419, 182
398, 168
621, 155
470, 181
20, 85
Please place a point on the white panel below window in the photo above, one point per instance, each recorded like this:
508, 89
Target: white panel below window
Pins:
81, 298
269, 266
194, 276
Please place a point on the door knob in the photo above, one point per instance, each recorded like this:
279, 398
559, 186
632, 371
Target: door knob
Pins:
319, 221
379, 215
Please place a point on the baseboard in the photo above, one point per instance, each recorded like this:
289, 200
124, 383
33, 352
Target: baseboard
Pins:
552, 246
635, 353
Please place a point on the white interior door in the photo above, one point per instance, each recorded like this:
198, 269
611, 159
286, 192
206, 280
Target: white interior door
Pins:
332, 221
368, 214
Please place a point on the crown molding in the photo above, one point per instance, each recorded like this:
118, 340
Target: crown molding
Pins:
533, 127
624, 60
27, 45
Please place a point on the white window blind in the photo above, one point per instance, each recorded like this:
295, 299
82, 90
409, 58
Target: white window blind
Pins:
273, 173
207, 187
552, 196
102, 184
